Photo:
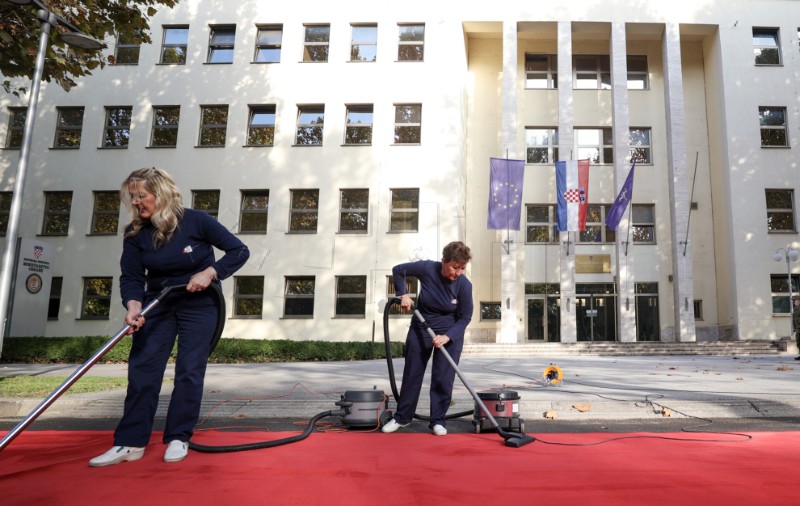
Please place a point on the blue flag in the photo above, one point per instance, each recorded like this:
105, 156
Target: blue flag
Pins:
618, 208
505, 193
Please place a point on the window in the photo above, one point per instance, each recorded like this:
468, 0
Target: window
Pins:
411, 45
165, 126
591, 72
358, 129
248, 296
315, 46
404, 214
255, 211
638, 78
310, 123
407, 123
780, 211
773, 126
69, 127
641, 146
643, 221
127, 50
16, 127
220, 44
105, 217
364, 43
117, 132
780, 292
541, 71
304, 211
698, 309
57, 207
491, 311
354, 211
206, 200
268, 44
261, 125
541, 224
595, 144
766, 47
54, 304
5, 210
648, 327
596, 231
412, 283
174, 45
541, 145
299, 297
213, 125
96, 298
351, 295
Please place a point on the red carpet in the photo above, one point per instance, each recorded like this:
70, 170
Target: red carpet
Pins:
350, 468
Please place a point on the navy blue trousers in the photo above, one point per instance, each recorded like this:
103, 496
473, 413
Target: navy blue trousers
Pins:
192, 318
419, 347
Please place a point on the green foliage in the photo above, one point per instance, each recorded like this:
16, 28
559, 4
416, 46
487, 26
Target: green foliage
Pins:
73, 350
100, 19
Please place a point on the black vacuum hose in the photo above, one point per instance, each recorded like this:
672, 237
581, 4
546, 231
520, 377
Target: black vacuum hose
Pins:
216, 289
267, 444
390, 365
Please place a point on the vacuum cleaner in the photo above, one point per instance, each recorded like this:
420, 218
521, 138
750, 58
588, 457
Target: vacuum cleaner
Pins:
75, 376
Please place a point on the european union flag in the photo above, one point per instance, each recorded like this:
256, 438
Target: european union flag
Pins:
505, 193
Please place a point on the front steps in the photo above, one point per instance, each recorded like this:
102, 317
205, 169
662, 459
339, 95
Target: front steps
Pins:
523, 350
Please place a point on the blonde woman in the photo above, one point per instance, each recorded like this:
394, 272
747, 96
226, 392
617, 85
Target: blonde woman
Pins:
165, 245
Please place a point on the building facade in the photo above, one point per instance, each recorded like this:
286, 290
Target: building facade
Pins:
337, 142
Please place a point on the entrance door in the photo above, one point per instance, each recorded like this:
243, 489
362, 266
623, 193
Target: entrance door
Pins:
647, 326
537, 317
596, 317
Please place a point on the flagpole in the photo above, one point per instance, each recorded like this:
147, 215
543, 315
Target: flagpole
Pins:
691, 199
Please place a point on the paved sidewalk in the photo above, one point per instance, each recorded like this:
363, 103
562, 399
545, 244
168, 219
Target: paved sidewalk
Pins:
605, 388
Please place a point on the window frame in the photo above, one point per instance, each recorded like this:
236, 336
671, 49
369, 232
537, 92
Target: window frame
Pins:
486, 311
395, 212
767, 127
548, 75
761, 34
210, 196
254, 111
535, 134
354, 130
50, 214
101, 214
298, 215
643, 231
168, 128
248, 211
104, 299
402, 123
606, 235
209, 131
784, 211
313, 130
640, 140
407, 41
413, 285
310, 47
603, 150
123, 46
344, 210
119, 131
266, 44
357, 42
638, 75
551, 224
781, 280
5, 210
65, 129
341, 298
224, 47
300, 298
241, 297
54, 298
180, 46
601, 70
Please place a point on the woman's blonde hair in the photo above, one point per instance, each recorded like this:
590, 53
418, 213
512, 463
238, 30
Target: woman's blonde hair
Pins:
169, 203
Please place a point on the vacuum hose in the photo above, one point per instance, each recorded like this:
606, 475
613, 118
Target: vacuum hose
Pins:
390, 364
267, 444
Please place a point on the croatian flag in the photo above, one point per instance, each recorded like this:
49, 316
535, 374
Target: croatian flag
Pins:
618, 208
505, 193
572, 187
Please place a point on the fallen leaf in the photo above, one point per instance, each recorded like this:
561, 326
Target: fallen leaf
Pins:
666, 412
583, 408
550, 414
739, 379
785, 368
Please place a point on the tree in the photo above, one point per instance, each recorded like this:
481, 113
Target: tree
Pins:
20, 30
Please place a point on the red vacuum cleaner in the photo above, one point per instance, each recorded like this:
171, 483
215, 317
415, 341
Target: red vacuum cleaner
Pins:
513, 439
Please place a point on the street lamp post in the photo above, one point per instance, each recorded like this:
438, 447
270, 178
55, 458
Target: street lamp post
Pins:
790, 255
74, 37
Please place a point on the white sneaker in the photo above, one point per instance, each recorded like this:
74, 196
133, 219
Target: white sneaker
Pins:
116, 455
439, 430
392, 426
176, 451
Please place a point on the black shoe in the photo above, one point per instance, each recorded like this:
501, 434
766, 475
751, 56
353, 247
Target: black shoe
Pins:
797, 357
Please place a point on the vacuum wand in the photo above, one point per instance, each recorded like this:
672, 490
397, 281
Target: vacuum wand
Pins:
50, 399
513, 439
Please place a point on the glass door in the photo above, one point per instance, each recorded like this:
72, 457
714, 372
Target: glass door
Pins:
537, 318
596, 313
